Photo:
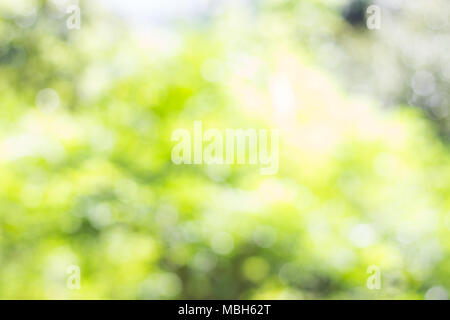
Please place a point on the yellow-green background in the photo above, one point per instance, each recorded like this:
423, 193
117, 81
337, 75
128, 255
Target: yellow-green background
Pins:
361, 181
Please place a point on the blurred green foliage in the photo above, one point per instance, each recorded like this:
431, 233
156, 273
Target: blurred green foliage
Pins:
86, 176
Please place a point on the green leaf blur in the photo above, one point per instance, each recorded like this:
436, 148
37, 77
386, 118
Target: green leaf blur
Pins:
86, 176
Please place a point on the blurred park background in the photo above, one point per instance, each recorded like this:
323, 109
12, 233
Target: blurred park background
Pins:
86, 176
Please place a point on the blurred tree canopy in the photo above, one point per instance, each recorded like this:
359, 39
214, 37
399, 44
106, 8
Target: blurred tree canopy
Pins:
86, 176
404, 63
